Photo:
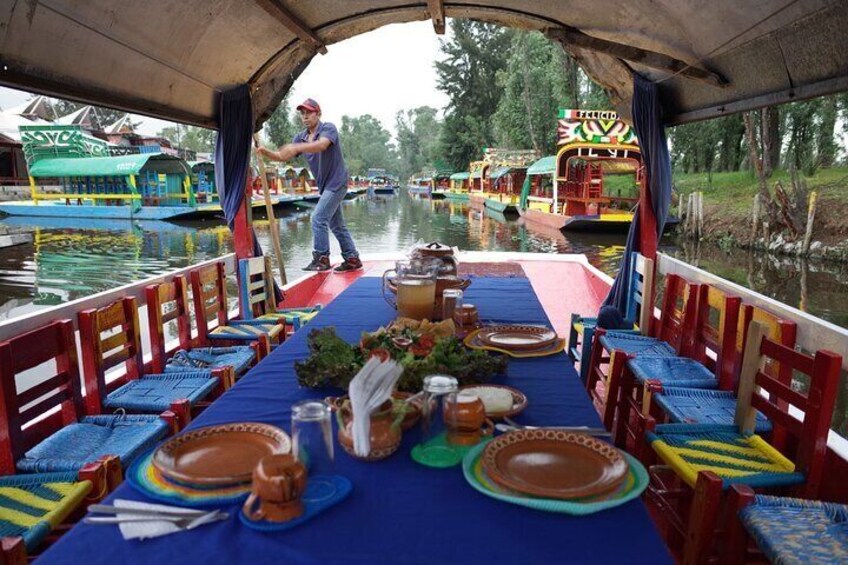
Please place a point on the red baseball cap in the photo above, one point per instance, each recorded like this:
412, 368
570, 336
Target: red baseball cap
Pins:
310, 105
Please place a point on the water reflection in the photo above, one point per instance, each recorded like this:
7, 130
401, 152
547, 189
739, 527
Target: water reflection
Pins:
81, 257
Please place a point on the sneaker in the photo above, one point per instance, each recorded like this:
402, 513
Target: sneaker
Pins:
348, 265
319, 263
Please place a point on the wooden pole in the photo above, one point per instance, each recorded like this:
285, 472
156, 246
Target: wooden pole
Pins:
269, 209
700, 214
755, 219
811, 215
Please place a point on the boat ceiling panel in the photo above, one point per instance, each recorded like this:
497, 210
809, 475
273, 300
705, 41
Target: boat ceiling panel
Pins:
172, 58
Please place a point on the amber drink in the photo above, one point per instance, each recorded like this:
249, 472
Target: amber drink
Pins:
416, 297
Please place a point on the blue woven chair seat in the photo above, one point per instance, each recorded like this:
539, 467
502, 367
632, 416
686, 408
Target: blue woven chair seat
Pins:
675, 371
32, 505
125, 436
734, 457
238, 357
635, 344
155, 393
703, 406
790, 530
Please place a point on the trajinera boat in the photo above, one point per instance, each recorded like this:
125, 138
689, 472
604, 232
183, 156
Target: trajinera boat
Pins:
718, 400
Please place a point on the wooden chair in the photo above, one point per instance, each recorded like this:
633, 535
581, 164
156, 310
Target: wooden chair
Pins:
702, 406
640, 284
709, 363
670, 336
45, 428
709, 459
209, 291
168, 302
111, 337
256, 295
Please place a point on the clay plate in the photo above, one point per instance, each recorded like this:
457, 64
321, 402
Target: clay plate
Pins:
517, 338
554, 463
219, 455
519, 400
473, 341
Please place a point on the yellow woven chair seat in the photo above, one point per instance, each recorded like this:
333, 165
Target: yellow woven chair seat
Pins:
736, 458
246, 331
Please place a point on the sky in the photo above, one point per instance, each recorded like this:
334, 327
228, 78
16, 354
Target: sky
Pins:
377, 73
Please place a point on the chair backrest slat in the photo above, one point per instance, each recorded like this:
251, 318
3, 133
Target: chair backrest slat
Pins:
167, 302
677, 316
816, 405
58, 385
641, 272
99, 353
256, 287
209, 289
714, 337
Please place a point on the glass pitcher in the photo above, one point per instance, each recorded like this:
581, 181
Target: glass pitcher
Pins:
415, 284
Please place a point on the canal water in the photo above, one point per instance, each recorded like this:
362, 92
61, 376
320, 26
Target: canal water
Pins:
74, 259
78, 258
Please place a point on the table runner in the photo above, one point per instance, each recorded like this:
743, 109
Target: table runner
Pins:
399, 512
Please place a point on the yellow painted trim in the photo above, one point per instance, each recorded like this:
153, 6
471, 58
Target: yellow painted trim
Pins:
87, 196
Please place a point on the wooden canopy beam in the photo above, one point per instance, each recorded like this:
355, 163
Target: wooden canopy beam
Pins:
278, 10
437, 13
573, 36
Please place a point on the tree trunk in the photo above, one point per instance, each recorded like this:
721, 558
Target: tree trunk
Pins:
528, 103
768, 141
757, 164
772, 123
826, 148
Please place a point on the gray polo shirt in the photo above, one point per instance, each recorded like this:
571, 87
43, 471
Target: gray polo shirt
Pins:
328, 166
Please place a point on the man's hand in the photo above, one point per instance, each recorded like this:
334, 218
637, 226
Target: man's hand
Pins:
285, 153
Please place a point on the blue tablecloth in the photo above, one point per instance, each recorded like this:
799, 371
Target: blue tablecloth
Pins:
399, 512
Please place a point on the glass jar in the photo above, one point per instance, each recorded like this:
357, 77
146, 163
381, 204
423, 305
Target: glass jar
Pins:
312, 436
434, 449
451, 301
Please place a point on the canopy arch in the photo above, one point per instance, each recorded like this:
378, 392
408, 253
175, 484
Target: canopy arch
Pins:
174, 59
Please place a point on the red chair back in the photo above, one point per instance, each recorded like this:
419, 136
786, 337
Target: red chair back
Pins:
816, 405
57, 386
209, 291
714, 337
110, 337
677, 315
167, 302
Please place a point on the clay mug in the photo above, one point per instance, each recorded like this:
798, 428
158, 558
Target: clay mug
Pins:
278, 483
465, 419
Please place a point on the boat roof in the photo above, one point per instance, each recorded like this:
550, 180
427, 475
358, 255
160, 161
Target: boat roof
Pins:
498, 172
175, 61
108, 166
460, 176
544, 166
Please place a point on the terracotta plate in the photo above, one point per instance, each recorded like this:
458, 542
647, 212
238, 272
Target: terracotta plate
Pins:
219, 455
517, 338
519, 400
554, 463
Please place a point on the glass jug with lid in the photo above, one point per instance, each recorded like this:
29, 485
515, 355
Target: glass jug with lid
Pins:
415, 285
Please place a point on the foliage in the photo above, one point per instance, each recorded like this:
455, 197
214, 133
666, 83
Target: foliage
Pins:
474, 54
333, 362
281, 127
417, 138
190, 137
366, 144
539, 79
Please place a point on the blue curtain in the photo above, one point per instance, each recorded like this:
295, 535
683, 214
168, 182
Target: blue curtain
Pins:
647, 121
232, 156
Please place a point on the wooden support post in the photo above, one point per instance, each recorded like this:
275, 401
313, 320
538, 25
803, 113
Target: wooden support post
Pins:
745, 416
700, 214
437, 14
811, 215
243, 228
272, 220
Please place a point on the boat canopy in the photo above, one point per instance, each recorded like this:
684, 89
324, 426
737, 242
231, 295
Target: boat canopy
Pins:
499, 172
108, 166
201, 165
544, 166
174, 61
460, 176
477, 174
442, 175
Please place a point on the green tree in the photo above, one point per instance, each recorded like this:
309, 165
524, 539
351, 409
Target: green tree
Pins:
280, 127
194, 138
539, 78
366, 144
418, 140
472, 58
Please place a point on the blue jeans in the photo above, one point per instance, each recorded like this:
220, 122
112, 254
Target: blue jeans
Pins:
328, 215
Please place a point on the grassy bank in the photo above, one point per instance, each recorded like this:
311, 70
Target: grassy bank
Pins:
728, 198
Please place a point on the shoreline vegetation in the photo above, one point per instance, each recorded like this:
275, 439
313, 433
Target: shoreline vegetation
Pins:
730, 213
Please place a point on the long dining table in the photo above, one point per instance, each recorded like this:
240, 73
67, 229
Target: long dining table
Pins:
398, 511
